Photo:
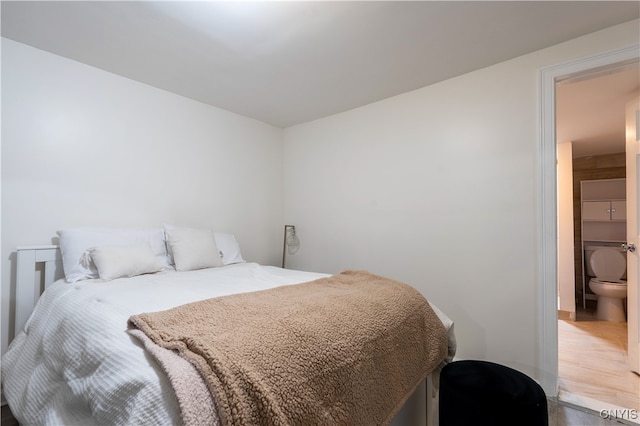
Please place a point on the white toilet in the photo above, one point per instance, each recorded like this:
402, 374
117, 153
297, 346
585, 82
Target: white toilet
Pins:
609, 265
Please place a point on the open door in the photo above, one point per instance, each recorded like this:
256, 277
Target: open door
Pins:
632, 246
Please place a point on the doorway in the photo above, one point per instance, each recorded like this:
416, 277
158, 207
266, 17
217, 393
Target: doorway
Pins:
590, 127
590, 124
548, 290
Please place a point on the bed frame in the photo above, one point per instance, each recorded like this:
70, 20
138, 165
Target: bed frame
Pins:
28, 290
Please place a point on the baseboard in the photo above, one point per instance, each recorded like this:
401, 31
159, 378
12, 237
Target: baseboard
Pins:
613, 413
566, 315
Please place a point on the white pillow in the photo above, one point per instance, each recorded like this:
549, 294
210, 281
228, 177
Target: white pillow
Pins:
193, 248
124, 261
76, 241
228, 247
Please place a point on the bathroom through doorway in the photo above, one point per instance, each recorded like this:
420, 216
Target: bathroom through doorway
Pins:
592, 352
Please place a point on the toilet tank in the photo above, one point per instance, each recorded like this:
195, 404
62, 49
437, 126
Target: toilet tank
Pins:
588, 250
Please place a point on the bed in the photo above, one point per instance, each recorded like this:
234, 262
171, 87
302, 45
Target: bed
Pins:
86, 355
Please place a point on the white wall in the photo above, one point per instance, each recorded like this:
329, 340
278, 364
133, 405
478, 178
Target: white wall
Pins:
566, 254
436, 187
83, 147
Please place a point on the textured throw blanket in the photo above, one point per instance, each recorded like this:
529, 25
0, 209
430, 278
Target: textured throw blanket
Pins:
347, 349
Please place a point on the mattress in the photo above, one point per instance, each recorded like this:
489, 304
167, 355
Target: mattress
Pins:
75, 363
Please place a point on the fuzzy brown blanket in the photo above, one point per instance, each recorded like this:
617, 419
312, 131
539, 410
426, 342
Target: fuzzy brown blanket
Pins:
344, 350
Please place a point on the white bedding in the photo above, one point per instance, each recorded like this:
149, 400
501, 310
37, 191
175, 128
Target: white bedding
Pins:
76, 364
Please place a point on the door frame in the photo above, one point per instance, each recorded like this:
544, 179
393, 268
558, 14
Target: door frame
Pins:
547, 335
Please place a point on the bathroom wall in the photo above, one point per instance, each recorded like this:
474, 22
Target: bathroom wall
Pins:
566, 272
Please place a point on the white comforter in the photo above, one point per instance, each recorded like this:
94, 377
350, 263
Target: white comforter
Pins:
75, 363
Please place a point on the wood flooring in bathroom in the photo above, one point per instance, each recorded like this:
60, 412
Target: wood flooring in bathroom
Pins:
592, 365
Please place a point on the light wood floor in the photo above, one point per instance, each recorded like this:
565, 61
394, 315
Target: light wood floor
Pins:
592, 362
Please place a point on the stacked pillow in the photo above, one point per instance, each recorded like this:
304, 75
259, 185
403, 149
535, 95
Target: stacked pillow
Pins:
188, 240
123, 261
109, 253
192, 248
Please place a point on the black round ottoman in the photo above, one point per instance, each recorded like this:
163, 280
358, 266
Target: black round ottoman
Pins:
474, 393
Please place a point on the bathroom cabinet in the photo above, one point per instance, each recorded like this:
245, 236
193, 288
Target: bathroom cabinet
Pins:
613, 210
603, 220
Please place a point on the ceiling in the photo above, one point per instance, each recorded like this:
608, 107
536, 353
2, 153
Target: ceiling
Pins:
290, 62
590, 112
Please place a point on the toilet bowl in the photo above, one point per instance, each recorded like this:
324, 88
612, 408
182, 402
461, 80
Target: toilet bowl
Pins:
609, 266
